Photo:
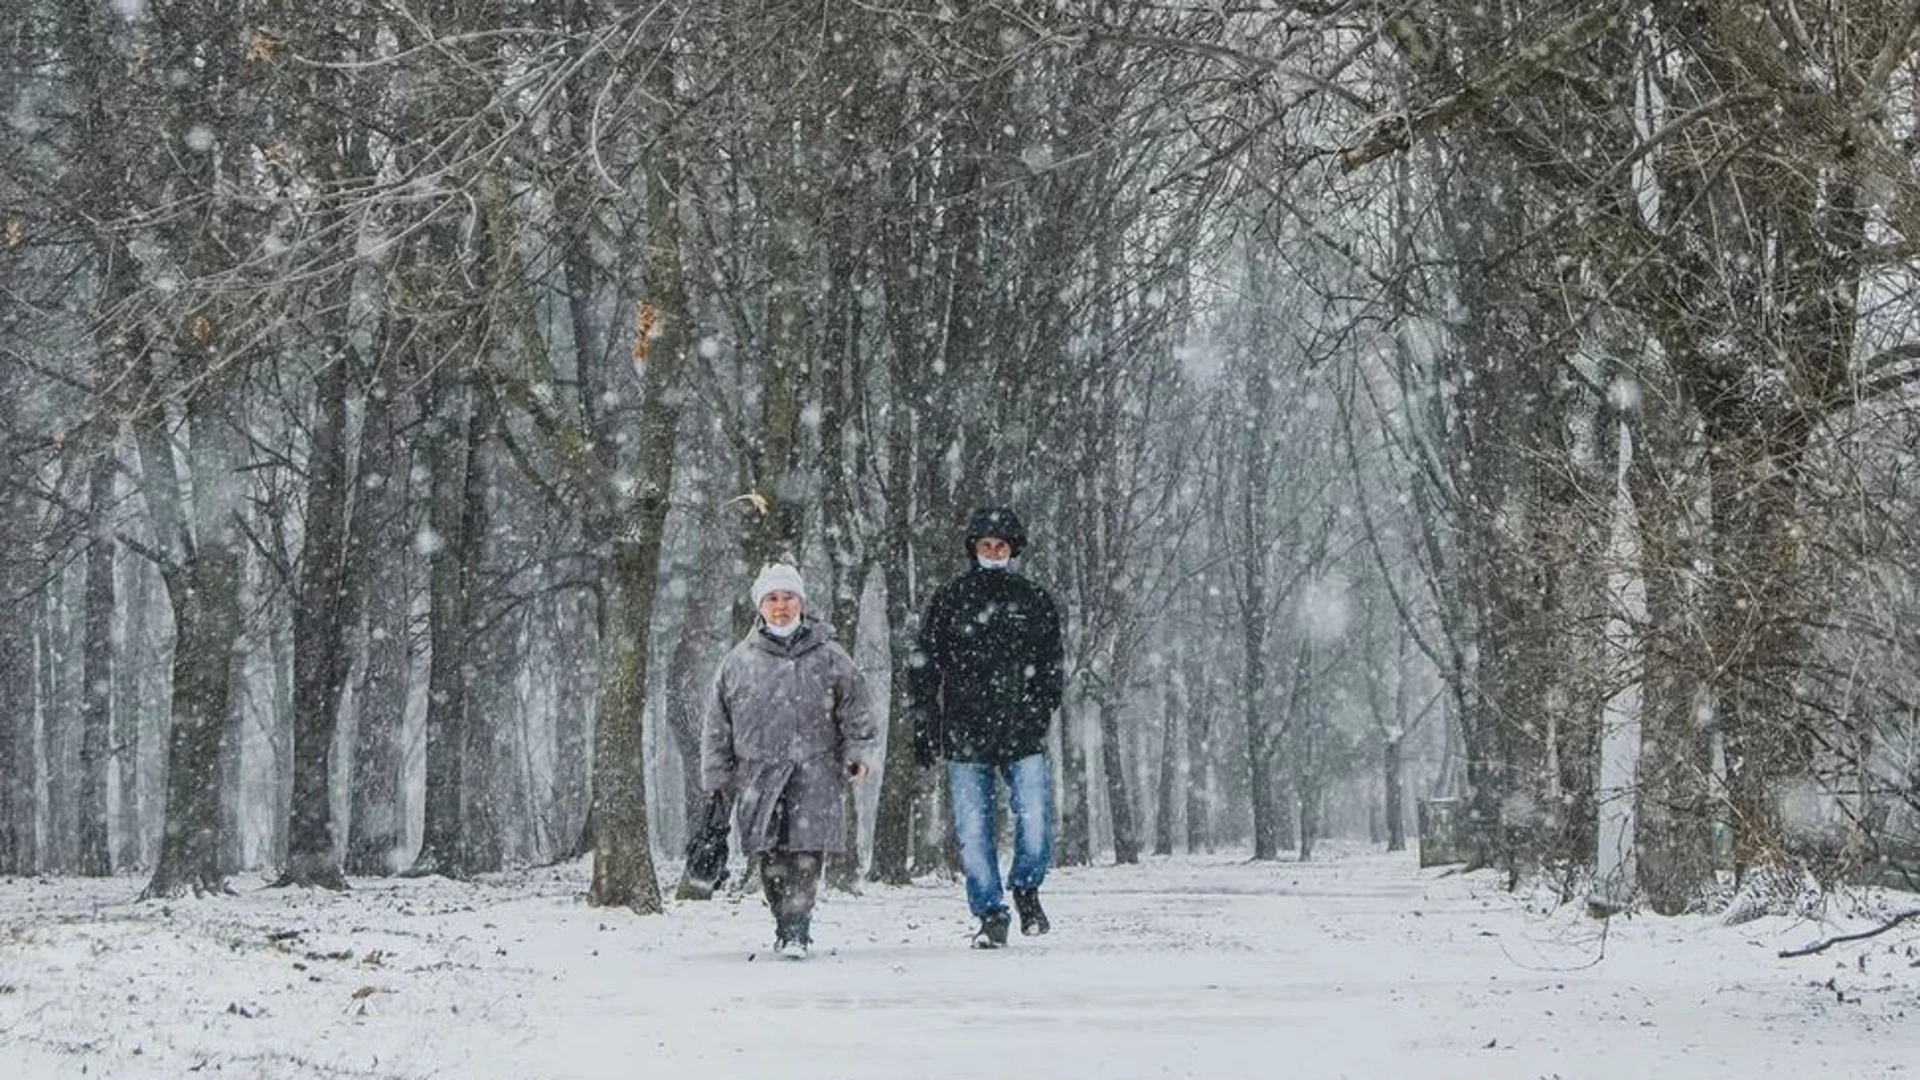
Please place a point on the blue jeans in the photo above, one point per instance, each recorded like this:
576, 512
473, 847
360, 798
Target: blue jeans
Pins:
1030, 793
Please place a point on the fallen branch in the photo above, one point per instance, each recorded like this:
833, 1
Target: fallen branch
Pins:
1787, 954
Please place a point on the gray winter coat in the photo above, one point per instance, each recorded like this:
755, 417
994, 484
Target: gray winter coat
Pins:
788, 718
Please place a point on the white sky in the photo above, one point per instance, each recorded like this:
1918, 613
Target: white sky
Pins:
1359, 965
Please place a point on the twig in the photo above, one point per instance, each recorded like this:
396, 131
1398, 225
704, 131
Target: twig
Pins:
1875, 932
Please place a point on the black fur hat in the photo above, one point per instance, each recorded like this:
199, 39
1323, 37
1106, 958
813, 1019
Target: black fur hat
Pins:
997, 521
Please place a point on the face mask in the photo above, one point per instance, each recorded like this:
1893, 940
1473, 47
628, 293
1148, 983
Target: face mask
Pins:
782, 631
993, 564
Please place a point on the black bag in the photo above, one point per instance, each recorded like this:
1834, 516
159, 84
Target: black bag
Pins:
706, 867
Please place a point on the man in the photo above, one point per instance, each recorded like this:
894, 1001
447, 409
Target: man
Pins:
983, 685
788, 725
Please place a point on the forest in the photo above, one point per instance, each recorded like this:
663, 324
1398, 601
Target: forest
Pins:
1502, 406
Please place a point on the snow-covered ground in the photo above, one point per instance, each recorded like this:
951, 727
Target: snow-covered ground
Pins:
1357, 965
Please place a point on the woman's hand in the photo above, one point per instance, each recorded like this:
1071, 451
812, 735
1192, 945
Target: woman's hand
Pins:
857, 771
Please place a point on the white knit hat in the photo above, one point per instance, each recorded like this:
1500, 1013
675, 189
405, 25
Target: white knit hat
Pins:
778, 577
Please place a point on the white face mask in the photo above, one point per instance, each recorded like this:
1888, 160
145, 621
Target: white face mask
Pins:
993, 564
781, 631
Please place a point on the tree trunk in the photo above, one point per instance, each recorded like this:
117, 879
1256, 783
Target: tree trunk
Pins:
1169, 770
96, 680
1396, 808
322, 612
1304, 727
1286, 811
204, 587
1255, 695
1198, 776
380, 580
1756, 631
278, 720
1309, 723
482, 669
573, 750
1312, 804
623, 871
1675, 805
16, 658
57, 780
139, 662
206, 602
920, 437
843, 379
1126, 839
935, 848
772, 468
893, 816
1261, 793
98, 178
450, 563
1076, 806
689, 669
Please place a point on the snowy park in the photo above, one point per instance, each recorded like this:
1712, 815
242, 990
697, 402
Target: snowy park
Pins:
1358, 964
469, 470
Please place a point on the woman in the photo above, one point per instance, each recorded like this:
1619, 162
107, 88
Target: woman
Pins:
788, 726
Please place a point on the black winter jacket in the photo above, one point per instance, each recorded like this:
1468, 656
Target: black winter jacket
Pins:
986, 677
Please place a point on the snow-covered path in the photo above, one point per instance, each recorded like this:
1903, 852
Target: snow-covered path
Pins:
1359, 965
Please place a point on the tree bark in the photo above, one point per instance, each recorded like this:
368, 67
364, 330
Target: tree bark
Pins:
450, 561
96, 679
893, 816
1253, 700
380, 579
1076, 806
481, 668
16, 658
842, 384
1674, 807
1126, 838
205, 593
689, 671
573, 750
58, 693
139, 663
1199, 772
1396, 811
1169, 770
773, 464
323, 610
623, 870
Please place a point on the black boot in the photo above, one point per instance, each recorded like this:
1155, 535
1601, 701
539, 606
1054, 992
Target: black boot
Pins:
791, 936
993, 930
1033, 918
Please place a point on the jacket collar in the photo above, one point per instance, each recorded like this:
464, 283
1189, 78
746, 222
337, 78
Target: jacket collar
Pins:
812, 634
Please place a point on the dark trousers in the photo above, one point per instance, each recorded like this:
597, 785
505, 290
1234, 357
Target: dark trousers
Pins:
791, 878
